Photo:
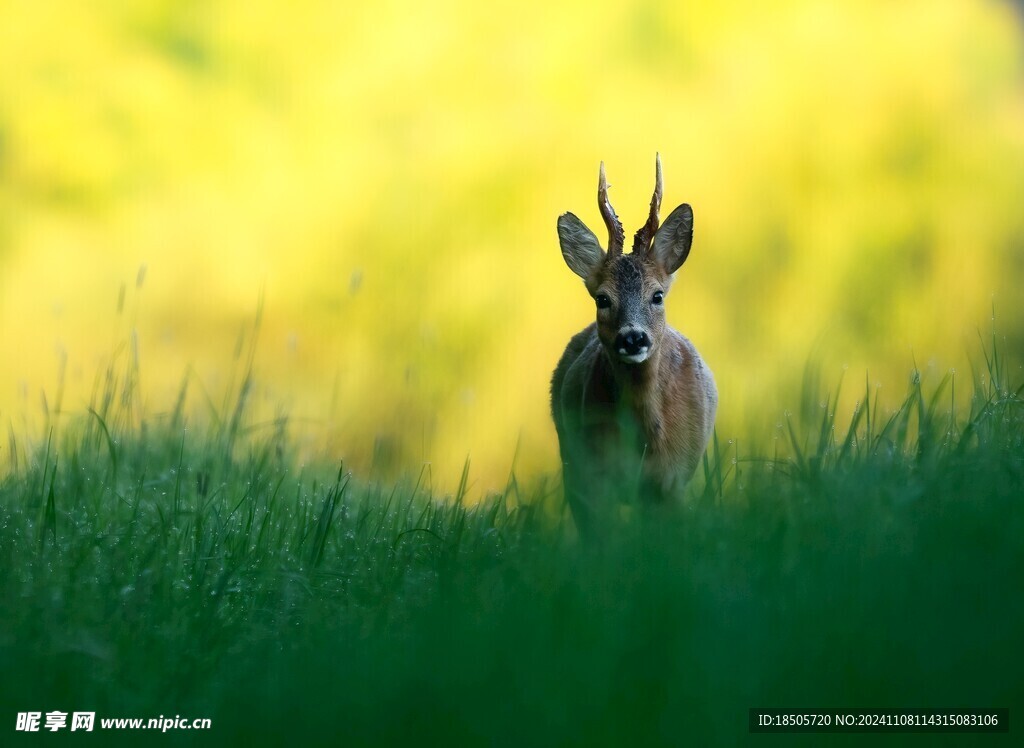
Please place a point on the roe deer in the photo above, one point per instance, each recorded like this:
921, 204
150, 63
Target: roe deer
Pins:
633, 403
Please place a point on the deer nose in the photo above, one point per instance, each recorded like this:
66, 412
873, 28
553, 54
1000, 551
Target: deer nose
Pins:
632, 342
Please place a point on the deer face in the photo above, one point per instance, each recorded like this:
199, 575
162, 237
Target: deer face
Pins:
630, 295
628, 290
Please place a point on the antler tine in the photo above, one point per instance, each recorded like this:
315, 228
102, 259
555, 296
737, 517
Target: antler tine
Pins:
616, 234
642, 239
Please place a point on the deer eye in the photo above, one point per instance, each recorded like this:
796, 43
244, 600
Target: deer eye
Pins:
658, 297
603, 302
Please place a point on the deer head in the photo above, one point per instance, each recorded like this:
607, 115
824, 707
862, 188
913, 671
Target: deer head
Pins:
629, 289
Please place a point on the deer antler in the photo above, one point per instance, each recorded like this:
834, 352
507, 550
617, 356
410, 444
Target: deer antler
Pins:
616, 234
645, 235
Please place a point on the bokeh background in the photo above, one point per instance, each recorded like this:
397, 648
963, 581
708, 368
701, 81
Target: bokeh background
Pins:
386, 177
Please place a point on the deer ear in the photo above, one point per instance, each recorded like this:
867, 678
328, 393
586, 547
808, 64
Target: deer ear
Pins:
580, 247
672, 242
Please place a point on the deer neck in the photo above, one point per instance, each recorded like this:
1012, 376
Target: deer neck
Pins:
636, 390
638, 384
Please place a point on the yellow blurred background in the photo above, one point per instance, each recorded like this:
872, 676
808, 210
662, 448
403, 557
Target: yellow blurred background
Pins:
387, 175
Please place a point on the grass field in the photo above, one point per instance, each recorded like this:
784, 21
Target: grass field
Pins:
159, 566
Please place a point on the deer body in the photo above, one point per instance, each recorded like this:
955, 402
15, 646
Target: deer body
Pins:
632, 400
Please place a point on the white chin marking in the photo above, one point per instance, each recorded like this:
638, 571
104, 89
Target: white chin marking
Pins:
636, 358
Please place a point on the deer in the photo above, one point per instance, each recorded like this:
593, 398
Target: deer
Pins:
633, 402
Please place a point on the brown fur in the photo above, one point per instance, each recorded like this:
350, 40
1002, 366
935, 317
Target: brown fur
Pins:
629, 428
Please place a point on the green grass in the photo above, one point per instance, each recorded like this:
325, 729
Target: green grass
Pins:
152, 566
